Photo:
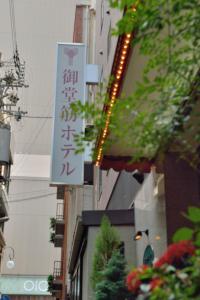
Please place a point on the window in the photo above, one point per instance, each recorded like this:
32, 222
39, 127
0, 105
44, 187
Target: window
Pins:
76, 284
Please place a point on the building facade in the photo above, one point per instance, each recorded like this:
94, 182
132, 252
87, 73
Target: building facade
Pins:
150, 194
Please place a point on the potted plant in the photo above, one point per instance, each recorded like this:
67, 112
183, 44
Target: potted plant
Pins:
50, 283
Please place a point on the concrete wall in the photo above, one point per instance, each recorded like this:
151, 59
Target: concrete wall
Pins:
149, 204
79, 199
126, 234
32, 203
124, 191
105, 188
103, 23
150, 214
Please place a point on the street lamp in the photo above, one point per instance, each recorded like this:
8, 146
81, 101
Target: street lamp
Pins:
138, 235
10, 264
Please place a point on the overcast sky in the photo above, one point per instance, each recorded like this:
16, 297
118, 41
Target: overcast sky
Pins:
40, 24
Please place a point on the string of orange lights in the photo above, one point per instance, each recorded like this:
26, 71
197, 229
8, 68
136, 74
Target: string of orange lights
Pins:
118, 74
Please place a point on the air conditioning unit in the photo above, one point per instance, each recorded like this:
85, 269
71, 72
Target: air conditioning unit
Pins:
5, 144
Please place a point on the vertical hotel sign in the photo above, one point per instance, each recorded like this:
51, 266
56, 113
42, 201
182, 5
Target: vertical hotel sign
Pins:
66, 166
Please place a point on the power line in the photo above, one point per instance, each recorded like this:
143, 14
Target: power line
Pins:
31, 198
13, 28
37, 117
31, 215
35, 191
30, 144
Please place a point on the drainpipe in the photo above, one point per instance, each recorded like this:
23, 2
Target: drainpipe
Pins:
64, 248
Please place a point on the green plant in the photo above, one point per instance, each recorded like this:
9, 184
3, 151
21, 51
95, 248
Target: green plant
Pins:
168, 36
52, 223
92, 112
52, 237
50, 283
106, 242
112, 287
190, 233
176, 275
165, 33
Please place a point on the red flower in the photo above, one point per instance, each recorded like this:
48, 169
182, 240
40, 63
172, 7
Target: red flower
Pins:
176, 254
156, 282
133, 281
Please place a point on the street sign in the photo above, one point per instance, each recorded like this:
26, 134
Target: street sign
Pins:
23, 285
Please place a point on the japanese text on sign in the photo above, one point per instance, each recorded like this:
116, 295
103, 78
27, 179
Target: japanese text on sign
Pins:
67, 166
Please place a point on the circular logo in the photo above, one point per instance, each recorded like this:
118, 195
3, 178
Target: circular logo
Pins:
37, 286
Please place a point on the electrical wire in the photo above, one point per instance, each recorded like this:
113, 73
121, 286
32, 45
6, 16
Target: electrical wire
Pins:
31, 215
31, 198
30, 192
14, 43
37, 117
13, 27
30, 117
26, 150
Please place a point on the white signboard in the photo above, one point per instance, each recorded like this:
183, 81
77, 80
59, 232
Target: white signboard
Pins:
23, 285
67, 167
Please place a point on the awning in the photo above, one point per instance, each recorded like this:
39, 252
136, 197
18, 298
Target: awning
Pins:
119, 163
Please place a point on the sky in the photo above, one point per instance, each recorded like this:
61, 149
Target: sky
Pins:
39, 25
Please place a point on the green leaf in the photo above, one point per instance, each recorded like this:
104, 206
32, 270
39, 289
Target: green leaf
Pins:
182, 234
193, 214
197, 239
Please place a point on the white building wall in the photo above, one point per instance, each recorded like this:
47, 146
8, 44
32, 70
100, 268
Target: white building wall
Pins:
150, 214
80, 199
32, 203
106, 20
105, 17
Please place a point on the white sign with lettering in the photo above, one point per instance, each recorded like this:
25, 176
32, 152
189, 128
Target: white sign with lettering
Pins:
23, 285
66, 165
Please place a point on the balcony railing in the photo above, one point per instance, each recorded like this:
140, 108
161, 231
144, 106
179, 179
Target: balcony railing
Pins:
57, 278
60, 211
57, 270
60, 192
58, 240
60, 224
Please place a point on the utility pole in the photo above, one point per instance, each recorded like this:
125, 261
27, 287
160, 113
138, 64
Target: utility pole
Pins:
12, 77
